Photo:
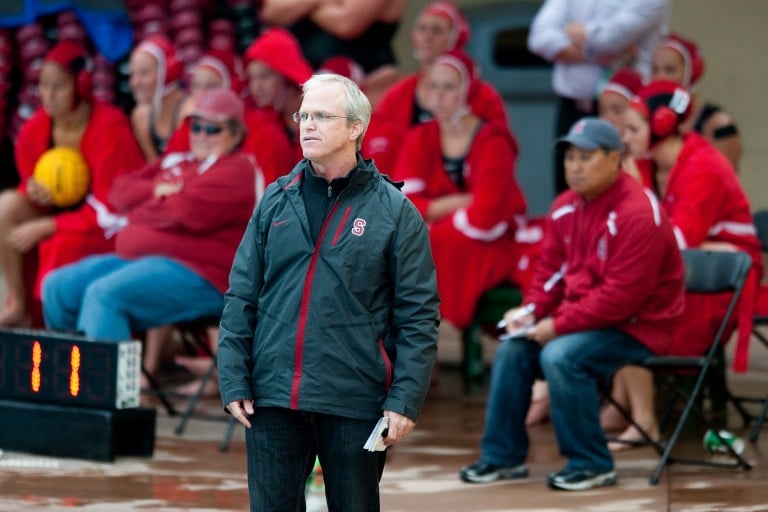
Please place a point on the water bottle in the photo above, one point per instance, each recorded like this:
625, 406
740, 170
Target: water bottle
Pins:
714, 445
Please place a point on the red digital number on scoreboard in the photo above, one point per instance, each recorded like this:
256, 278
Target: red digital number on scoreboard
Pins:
73, 368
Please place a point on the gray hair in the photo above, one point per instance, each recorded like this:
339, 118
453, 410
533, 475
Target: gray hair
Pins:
357, 107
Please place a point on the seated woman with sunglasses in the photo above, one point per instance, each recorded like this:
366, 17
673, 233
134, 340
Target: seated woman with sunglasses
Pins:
182, 218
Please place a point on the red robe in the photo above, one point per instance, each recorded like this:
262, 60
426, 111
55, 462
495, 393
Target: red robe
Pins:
474, 248
110, 149
705, 201
255, 116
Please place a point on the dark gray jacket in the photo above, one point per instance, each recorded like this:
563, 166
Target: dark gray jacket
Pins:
347, 326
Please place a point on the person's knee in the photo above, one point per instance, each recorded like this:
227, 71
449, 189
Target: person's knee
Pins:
49, 288
100, 293
555, 355
13, 207
511, 353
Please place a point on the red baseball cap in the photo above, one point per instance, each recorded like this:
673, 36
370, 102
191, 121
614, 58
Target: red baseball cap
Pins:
218, 106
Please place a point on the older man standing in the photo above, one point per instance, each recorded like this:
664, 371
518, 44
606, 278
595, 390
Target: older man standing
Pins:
607, 292
330, 321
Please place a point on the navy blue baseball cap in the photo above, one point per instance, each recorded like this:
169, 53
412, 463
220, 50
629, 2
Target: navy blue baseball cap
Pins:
591, 133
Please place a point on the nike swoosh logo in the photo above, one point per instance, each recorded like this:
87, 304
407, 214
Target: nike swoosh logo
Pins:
279, 222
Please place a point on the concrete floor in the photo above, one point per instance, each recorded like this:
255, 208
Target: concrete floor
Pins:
189, 473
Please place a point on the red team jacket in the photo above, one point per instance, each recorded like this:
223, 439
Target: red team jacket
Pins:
610, 262
202, 225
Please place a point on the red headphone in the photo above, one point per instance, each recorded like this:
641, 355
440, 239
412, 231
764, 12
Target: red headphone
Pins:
667, 117
81, 66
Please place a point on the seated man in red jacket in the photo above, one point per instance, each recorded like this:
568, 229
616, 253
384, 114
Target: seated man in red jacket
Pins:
607, 291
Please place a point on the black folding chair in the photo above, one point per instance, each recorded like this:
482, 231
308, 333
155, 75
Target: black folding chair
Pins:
705, 272
759, 321
195, 333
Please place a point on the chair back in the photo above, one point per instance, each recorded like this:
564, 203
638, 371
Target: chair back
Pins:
715, 271
760, 218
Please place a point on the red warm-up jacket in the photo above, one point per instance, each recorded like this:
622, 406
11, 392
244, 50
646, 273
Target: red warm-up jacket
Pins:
611, 261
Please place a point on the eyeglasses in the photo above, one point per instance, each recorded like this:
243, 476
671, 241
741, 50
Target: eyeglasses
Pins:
320, 117
208, 129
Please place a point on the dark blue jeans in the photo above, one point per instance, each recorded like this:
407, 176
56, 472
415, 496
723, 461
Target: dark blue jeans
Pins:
572, 365
281, 449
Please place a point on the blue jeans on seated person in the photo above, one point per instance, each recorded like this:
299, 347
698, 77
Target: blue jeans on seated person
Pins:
572, 365
282, 445
110, 298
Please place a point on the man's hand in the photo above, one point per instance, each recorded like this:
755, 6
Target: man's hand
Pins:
577, 34
543, 331
517, 318
240, 410
399, 427
571, 54
167, 188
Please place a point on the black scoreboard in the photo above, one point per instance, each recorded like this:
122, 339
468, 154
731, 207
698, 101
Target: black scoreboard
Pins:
69, 370
71, 396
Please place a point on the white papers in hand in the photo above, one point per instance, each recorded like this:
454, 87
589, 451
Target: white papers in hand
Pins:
520, 332
375, 442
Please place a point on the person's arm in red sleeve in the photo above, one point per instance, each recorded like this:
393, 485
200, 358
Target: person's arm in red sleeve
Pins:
412, 168
696, 210
547, 286
496, 196
130, 190
205, 201
634, 256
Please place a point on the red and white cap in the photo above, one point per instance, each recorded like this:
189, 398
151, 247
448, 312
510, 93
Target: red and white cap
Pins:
460, 31
626, 82
463, 63
169, 68
692, 58
226, 64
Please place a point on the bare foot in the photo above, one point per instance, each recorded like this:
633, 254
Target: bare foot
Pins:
632, 438
197, 366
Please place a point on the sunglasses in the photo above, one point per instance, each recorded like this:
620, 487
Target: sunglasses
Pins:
208, 129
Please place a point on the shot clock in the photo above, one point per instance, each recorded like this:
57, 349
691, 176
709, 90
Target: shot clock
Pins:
63, 369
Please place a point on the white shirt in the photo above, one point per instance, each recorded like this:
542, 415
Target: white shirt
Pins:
612, 27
